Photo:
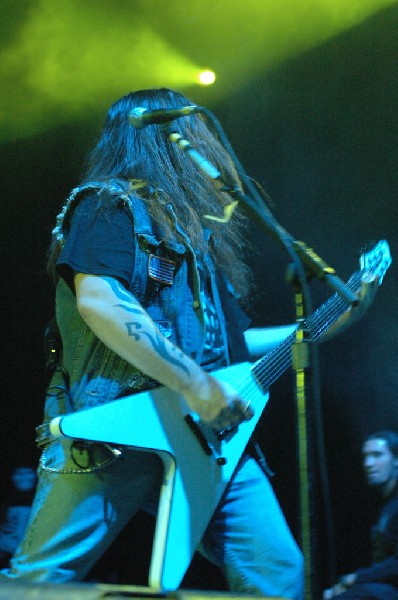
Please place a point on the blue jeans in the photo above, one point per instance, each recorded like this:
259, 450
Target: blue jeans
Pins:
75, 517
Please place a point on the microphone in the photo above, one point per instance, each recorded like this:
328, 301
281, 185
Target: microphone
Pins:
141, 117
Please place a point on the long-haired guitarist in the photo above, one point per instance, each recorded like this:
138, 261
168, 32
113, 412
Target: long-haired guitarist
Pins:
150, 278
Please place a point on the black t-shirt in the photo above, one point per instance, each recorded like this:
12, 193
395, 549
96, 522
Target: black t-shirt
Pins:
100, 241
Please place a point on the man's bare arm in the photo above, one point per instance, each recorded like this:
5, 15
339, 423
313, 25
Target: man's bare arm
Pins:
117, 318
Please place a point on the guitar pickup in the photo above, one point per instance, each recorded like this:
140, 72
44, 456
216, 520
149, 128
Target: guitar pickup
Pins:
200, 436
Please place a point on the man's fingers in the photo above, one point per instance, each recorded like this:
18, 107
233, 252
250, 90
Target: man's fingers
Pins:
233, 415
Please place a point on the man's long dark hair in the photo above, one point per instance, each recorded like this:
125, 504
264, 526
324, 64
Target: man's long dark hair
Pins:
163, 174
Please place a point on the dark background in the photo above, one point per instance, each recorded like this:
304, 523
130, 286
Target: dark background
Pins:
320, 134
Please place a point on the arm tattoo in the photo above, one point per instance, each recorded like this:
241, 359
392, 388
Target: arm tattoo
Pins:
130, 329
174, 357
119, 290
130, 304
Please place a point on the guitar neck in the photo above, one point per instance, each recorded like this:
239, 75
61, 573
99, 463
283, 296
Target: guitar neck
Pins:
271, 366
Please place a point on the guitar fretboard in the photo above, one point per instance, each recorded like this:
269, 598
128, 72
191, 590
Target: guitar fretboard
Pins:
271, 366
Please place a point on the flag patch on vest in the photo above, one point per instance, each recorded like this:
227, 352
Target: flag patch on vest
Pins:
161, 269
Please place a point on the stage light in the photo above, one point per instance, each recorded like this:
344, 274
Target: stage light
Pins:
67, 61
206, 77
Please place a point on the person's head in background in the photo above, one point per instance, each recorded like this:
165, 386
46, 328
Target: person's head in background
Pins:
380, 460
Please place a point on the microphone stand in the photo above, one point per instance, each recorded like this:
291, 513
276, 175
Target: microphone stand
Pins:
304, 264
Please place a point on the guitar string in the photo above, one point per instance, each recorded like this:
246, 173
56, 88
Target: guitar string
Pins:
317, 323
268, 368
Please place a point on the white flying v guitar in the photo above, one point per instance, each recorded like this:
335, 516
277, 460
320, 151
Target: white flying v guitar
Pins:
198, 462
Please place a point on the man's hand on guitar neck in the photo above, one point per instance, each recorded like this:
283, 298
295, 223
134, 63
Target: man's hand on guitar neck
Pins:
260, 341
366, 295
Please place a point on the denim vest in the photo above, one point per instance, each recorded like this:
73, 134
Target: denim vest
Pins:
96, 374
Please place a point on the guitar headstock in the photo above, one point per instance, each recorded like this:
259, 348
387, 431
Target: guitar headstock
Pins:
376, 260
